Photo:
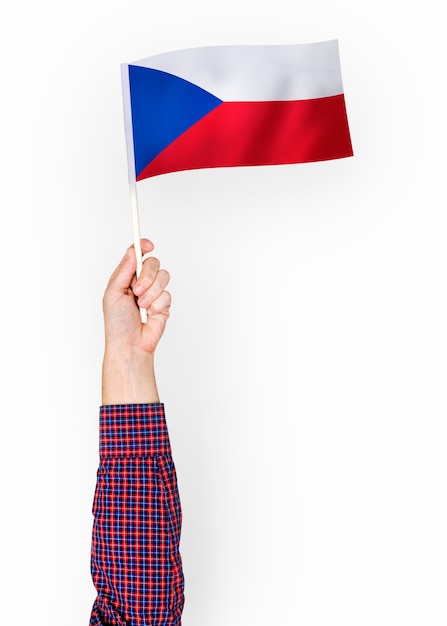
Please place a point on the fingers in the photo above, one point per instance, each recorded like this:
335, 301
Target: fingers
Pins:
151, 283
148, 274
146, 246
161, 304
123, 275
149, 289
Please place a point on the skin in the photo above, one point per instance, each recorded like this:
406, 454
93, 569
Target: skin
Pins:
128, 366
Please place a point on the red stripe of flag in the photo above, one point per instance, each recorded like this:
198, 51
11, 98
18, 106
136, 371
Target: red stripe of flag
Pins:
260, 133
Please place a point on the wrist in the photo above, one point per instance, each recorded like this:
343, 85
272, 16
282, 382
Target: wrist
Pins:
128, 376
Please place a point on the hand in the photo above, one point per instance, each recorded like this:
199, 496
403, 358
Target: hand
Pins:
123, 326
128, 368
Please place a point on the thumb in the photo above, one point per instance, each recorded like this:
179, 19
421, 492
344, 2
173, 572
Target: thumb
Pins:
123, 274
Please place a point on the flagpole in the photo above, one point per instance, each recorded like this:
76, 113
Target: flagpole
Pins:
137, 238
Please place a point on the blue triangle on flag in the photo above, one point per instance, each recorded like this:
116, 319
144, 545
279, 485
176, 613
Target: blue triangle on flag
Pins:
163, 107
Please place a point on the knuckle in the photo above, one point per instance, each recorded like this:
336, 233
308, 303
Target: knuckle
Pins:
165, 276
152, 263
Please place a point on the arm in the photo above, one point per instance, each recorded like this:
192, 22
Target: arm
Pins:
136, 564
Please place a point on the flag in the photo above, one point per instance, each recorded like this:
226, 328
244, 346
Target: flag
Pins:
229, 106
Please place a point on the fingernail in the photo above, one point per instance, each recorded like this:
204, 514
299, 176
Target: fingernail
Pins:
138, 290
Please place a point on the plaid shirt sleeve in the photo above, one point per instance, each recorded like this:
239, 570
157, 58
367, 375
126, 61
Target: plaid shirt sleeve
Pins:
135, 559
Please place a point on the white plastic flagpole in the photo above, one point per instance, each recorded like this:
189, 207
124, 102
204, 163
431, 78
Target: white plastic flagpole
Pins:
136, 238
132, 176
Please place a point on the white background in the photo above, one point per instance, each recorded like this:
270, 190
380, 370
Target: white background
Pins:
304, 365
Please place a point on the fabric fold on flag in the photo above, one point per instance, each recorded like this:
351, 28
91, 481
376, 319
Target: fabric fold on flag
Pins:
229, 106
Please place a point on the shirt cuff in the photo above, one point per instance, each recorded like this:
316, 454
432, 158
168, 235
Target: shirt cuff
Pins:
133, 430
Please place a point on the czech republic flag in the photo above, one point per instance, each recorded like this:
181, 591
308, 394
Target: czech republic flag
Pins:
228, 106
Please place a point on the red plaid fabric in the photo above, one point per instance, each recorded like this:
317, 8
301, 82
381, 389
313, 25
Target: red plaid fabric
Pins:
135, 559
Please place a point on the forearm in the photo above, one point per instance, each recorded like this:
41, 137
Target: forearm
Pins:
128, 377
136, 563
